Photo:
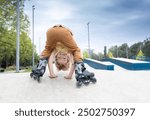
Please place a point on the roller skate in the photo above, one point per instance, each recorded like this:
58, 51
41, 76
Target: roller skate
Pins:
39, 69
83, 76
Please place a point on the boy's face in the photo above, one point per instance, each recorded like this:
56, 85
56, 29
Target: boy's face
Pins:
62, 58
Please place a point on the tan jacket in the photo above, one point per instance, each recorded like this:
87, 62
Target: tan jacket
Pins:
60, 34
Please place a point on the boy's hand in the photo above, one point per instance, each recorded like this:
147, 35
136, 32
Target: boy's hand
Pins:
53, 76
68, 77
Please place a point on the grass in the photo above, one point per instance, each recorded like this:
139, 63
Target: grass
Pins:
28, 69
23, 69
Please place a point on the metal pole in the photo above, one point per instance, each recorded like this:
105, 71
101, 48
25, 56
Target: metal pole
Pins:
117, 51
105, 51
89, 39
18, 36
33, 7
39, 45
127, 51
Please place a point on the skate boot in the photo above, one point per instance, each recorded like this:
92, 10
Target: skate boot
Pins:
82, 75
39, 69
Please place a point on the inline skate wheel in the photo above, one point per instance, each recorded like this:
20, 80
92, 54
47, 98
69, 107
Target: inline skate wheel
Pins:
93, 80
86, 82
38, 79
79, 84
34, 77
31, 75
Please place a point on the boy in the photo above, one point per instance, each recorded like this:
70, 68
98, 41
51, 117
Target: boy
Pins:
60, 40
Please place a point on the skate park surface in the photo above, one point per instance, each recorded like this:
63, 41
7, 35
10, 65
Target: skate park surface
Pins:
120, 85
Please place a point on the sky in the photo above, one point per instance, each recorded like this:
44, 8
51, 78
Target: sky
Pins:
112, 22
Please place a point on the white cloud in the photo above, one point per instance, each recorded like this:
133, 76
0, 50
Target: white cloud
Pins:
60, 13
55, 10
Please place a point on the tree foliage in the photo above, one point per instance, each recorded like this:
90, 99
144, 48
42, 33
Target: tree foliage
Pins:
85, 54
140, 55
131, 52
146, 47
93, 55
8, 21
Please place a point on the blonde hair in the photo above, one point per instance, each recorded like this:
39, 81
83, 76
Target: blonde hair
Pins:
61, 66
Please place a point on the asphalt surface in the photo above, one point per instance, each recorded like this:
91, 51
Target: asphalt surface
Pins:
115, 86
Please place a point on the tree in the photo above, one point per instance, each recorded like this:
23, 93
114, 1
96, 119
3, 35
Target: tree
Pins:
114, 50
110, 55
105, 51
146, 47
8, 22
123, 50
100, 55
135, 48
95, 56
85, 54
140, 55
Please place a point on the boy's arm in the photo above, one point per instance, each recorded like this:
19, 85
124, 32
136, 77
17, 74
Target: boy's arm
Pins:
72, 68
50, 64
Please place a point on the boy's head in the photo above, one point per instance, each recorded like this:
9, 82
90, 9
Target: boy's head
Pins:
62, 61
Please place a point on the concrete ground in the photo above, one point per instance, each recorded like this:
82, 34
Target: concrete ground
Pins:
119, 85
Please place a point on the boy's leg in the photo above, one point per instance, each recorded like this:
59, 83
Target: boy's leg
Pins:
41, 66
39, 69
71, 44
80, 71
82, 75
50, 43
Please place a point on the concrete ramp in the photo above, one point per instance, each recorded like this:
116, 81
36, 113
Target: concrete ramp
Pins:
130, 64
98, 64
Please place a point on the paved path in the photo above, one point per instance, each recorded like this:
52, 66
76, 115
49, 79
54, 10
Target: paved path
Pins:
112, 86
